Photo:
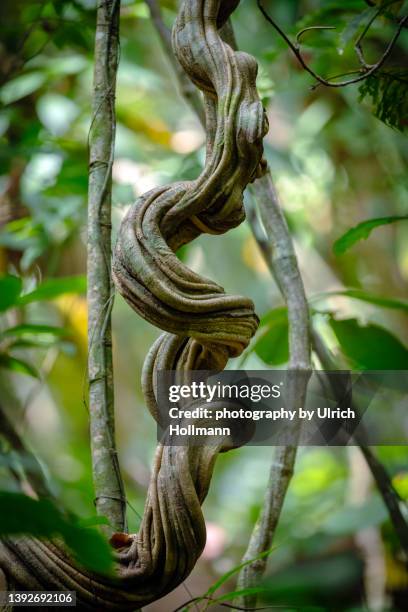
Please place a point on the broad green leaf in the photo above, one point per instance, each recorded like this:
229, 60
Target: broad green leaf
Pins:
273, 315
322, 579
93, 521
56, 112
272, 346
53, 288
23, 235
362, 232
17, 365
44, 341
400, 483
378, 300
329, 11
354, 24
30, 329
10, 288
89, 547
20, 515
370, 347
72, 64
354, 518
21, 86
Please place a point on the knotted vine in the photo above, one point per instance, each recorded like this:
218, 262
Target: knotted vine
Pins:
203, 325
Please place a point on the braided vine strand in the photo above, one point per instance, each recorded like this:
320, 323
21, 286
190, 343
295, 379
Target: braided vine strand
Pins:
203, 326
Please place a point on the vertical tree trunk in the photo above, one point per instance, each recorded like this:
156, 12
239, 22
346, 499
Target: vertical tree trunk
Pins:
284, 267
109, 493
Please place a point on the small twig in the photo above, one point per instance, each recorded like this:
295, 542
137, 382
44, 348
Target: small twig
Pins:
311, 28
357, 46
32, 467
392, 17
46, 368
321, 80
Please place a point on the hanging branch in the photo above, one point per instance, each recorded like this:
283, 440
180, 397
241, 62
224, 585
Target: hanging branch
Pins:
109, 491
365, 70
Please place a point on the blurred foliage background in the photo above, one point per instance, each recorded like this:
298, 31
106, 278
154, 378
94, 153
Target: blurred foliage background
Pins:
338, 157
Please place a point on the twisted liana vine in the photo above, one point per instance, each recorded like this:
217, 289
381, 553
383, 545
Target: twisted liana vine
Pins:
204, 326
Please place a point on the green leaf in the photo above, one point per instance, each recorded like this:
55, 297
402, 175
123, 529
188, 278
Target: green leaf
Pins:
93, 521
361, 232
354, 24
34, 342
21, 86
17, 365
371, 347
214, 587
273, 315
34, 329
318, 580
56, 112
10, 288
240, 593
89, 547
354, 518
388, 92
272, 346
53, 288
378, 300
20, 515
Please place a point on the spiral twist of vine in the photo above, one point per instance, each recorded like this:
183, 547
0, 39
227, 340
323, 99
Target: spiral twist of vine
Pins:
203, 326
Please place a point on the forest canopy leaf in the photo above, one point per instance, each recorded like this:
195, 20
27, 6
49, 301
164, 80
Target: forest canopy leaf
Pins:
359, 294
33, 329
10, 288
273, 346
218, 583
370, 347
258, 590
53, 288
388, 92
20, 514
354, 25
362, 232
17, 365
352, 519
21, 86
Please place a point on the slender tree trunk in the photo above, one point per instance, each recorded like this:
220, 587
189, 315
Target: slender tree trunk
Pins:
109, 492
282, 260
